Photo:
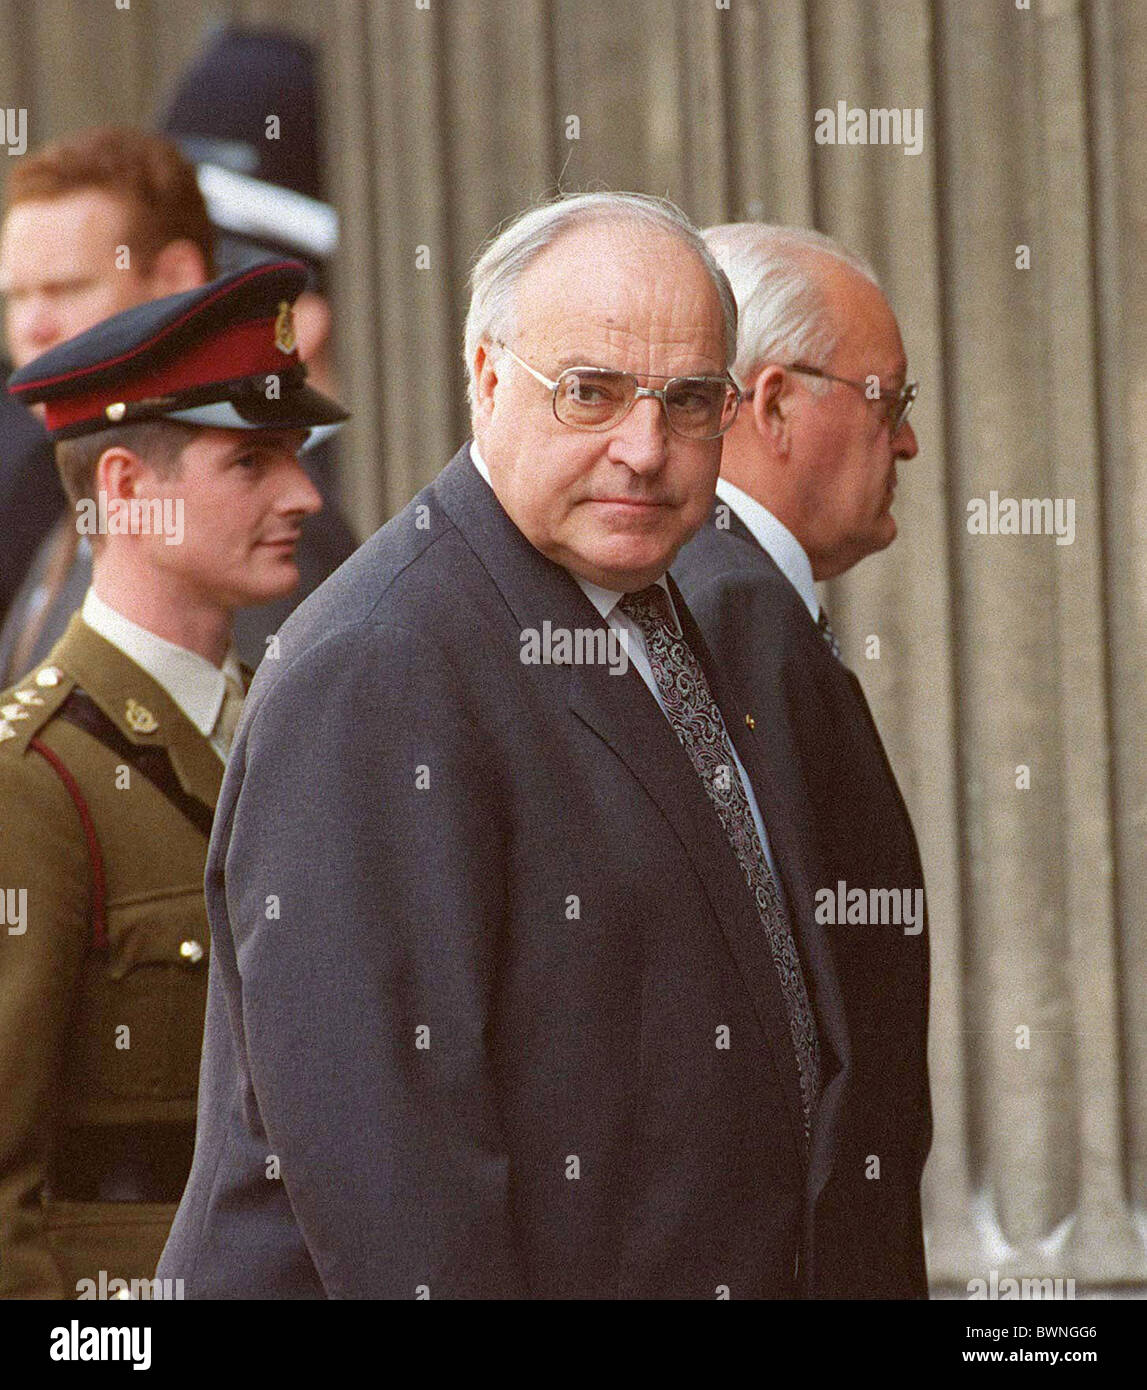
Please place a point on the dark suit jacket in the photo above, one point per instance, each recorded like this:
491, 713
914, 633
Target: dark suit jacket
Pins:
822, 736
476, 931
31, 496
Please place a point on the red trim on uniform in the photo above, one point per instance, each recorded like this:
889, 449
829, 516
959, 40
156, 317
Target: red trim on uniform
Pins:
245, 349
99, 882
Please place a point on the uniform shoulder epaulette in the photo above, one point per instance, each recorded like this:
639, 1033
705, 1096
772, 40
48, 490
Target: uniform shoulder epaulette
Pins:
29, 704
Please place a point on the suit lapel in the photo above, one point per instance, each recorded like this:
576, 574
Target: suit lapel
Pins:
625, 716
834, 676
134, 702
784, 804
787, 813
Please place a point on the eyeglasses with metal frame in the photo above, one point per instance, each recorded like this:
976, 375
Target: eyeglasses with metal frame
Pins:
597, 398
897, 404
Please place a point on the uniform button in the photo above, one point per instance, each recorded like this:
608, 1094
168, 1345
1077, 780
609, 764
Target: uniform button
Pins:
49, 676
191, 951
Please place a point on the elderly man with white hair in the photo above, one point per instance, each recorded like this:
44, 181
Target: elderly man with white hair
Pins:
808, 474
516, 987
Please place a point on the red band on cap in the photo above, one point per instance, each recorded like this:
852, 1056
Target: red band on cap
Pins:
245, 349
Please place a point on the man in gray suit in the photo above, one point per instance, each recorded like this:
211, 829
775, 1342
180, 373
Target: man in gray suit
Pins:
808, 474
515, 989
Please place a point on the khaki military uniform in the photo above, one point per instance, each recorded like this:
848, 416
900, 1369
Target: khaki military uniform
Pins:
99, 1042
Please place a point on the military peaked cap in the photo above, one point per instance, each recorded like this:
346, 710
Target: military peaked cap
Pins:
223, 354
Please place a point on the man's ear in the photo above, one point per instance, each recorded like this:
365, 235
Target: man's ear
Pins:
119, 473
485, 382
178, 266
772, 406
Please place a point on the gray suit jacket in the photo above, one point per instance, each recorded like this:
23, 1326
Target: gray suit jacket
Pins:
31, 496
822, 736
477, 935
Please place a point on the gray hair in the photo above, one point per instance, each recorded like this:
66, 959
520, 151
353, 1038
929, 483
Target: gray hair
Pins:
494, 279
784, 315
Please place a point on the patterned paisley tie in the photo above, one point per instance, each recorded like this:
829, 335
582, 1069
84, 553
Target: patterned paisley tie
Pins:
697, 722
824, 627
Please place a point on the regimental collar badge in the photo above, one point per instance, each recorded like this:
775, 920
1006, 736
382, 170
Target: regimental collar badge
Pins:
139, 719
285, 339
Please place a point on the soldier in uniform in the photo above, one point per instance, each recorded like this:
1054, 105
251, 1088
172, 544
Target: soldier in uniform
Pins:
187, 410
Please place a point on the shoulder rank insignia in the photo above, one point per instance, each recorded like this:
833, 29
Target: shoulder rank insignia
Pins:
6, 730
28, 697
13, 712
140, 720
285, 328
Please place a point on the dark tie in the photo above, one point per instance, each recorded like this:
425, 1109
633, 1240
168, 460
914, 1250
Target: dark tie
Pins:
824, 627
697, 722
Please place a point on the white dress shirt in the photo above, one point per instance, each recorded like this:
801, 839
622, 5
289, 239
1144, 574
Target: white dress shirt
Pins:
633, 640
776, 540
193, 682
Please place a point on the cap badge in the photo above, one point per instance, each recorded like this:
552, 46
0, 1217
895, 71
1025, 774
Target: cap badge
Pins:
140, 720
116, 411
285, 328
